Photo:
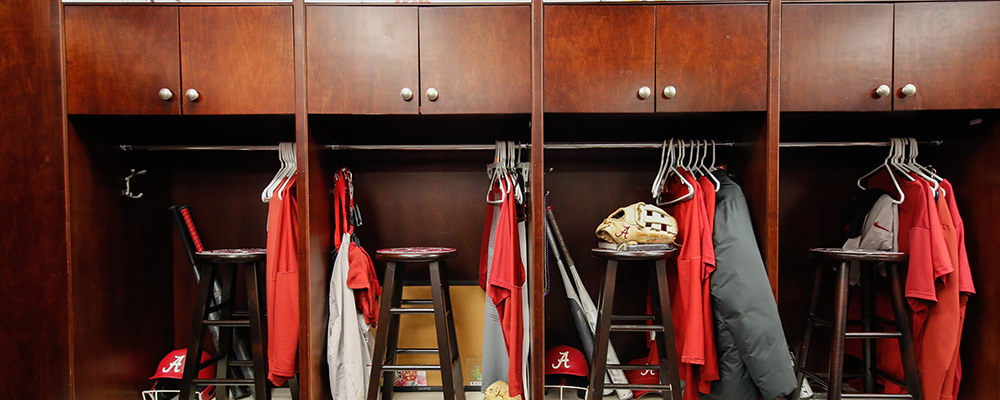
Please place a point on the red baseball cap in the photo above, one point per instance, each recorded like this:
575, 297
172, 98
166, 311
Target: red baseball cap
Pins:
642, 377
566, 360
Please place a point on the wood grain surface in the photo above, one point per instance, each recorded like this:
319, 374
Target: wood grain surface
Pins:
714, 55
951, 52
834, 56
239, 59
118, 58
360, 58
597, 58
477, 58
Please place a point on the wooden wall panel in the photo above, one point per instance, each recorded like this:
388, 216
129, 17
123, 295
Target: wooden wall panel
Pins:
34, 283
239, 59
463, 57
834, 56
360, 58
118, 58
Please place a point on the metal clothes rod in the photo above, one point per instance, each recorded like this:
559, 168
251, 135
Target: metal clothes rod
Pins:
473, 147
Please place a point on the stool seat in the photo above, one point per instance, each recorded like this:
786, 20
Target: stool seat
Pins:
415, 254
609, 254
231, 256
834, 253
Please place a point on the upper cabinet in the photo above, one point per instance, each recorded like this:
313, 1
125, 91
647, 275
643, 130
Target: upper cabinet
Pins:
881, 57
668, 58
950, 53
179, 60
409, 60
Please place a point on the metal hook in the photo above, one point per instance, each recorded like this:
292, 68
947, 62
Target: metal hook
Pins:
127, 192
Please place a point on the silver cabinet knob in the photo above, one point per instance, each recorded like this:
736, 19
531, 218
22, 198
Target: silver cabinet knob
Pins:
406, 94
191, 94
909, 90
669, 92
165, 94
883, 91
645, 92
432, 94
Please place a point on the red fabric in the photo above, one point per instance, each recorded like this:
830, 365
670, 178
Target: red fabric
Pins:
965, 288
710, 371
506, 280
689, 292
282, 285
361, 277
194, 232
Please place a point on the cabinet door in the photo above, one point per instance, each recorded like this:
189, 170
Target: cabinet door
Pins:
118, 58
360, 59
598, 57
713, 56
238, 58
950, 52
477, 59
835, 56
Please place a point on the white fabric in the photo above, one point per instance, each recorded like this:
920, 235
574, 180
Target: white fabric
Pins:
878, 232
348, 339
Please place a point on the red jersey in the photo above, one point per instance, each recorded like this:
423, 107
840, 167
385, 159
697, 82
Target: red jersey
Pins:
282, 285
504, 287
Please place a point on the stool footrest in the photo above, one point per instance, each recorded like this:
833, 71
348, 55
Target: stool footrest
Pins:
637, 387
417, 302
820, 321
219, 307
417, 351
875, 396
224, 382
422, 367
636, 328
632, 318
873, 335
421, 310
227, 322
823, 382
241, 314
885, 321
640, 367
241, 363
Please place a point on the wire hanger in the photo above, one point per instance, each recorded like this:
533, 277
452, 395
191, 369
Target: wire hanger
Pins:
268, 192
708, 172
673, 169
292, 167
920, 170
886, 164
496, 173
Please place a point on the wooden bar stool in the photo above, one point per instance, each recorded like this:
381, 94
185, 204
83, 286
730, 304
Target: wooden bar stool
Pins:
669, 377
841, 261
210, 263
391, 306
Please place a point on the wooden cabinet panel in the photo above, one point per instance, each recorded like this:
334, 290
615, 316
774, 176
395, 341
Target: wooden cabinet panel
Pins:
715, 56
834, 56
119, 57
477, 58
951, 52
238, 58
360, 58
598, 57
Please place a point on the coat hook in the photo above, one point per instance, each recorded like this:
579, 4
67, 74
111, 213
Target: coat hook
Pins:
127, 192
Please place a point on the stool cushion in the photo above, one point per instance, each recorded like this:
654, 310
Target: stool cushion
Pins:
415, 254
609, 254
839, 254
229, 256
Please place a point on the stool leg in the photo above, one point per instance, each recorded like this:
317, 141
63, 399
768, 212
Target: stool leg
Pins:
867, 315
293, 386
452, 390
256, 331
457, 370
228, 287
603, 332
668, 348
385, 323
839, 331
803, 356
906, 336
196, 339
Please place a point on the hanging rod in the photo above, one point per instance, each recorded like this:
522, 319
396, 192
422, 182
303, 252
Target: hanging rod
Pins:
472, 147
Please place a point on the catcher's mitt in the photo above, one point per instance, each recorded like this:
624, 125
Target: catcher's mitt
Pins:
639, 223
499, 391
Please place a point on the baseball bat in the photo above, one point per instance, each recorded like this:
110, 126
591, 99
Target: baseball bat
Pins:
587, 304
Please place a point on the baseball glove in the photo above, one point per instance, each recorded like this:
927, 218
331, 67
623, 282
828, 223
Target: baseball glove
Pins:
639, 223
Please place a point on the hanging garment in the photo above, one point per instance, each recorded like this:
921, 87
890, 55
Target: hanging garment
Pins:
361, 275
504, 286
710, 371
525, 298
686, 291
965, 288
495, 362
753, 352
282, 285
348, 339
